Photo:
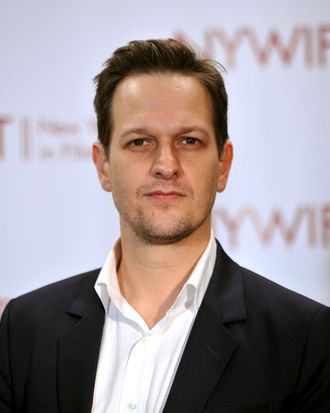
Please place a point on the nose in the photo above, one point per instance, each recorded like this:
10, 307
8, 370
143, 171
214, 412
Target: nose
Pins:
165, 163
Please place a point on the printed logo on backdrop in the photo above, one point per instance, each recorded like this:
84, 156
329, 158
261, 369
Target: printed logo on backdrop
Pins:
43, 139
308, 224
304, 44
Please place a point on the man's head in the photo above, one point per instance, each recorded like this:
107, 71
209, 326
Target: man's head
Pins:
158, 56
163, 150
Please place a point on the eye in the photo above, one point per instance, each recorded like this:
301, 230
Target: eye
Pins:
189, 140
138, 142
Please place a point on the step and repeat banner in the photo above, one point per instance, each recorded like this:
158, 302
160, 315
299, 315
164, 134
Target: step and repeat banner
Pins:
274, 217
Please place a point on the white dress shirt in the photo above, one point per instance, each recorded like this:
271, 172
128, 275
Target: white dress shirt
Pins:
137, 365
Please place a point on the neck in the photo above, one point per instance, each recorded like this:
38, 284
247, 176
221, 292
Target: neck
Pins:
151, 276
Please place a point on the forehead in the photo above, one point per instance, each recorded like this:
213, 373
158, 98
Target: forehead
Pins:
161, 95
133, 85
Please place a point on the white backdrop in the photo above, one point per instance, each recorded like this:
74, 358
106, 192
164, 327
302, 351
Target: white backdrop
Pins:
274, 217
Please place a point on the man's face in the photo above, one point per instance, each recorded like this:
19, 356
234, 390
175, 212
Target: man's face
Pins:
163, 166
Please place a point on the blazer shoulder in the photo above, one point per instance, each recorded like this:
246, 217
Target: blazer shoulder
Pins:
258, 287
265, 296
236, 293
55, 297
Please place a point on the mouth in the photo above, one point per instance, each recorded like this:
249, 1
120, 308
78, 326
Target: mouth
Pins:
165, 195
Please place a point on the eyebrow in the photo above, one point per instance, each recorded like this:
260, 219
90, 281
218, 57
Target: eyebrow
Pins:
144, 131
136, 131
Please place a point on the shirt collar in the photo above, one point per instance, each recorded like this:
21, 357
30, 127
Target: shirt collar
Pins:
191, 294
202, 272
106, 284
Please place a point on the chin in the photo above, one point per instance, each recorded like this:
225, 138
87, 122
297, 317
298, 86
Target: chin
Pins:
155, 236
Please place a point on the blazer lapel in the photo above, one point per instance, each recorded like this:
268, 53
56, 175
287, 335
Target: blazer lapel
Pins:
78, 352
210, 345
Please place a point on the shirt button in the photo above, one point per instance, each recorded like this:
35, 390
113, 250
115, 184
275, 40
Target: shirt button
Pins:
132, 406
145, 341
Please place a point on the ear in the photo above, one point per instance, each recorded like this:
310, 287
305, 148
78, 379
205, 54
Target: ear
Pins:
101, 162
225, 161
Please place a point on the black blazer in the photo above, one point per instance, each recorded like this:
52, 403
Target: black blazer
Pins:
254, 347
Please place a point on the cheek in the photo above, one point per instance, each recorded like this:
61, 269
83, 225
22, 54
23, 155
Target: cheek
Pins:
207, 177
124, 180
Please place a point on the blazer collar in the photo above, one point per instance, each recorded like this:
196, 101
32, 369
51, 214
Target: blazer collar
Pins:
225, 293
210, 345
78, 349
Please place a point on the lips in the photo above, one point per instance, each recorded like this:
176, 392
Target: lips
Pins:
165, 195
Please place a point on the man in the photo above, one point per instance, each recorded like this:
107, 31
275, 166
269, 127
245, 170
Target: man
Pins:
170, 323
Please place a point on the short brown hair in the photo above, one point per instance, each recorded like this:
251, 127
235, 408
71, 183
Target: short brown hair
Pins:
158, 56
